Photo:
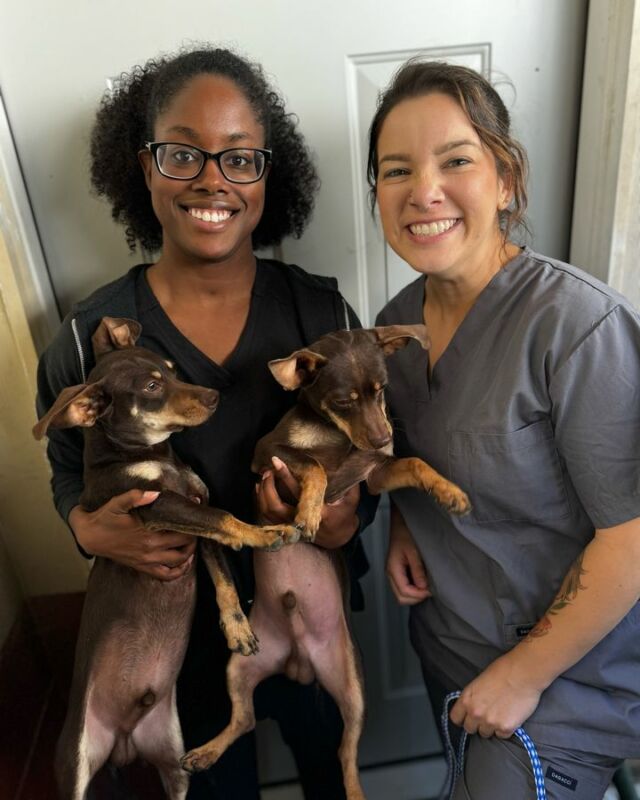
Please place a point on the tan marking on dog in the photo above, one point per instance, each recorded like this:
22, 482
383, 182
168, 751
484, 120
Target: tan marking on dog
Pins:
306, 437
337, 421
157, 375
377, 386
170, 364
148, 470
134, 411
160, 420
353, 395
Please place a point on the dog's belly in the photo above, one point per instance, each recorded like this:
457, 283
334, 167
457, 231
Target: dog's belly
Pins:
136, 649
298, 608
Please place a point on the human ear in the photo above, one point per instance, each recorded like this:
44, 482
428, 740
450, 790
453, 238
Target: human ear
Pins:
146, 162
505, 190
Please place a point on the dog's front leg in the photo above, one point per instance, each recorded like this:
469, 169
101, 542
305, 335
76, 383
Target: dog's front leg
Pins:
173, 512
399, 473
233, 621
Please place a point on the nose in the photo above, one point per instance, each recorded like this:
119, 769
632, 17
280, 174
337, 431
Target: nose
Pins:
426, 189
211, 178
380, 440
210, 399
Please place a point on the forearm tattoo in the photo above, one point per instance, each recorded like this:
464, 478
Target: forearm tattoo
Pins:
571, 585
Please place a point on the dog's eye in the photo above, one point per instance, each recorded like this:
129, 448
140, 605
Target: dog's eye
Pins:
343, 403
152, 386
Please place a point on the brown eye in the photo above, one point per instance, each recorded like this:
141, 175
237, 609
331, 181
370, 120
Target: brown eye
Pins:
152, 387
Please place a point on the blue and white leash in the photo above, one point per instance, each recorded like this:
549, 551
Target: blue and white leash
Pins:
455, 764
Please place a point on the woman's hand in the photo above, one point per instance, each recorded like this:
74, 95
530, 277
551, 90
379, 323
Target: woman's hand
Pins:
497, 702
339, 520
405, 568
113, 533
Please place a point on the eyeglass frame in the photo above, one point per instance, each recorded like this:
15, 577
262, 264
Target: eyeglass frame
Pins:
153, 147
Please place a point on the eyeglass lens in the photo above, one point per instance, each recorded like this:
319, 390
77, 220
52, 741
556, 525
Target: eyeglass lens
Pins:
239, 165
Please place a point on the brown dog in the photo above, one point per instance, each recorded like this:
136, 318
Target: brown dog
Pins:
134, 628
337, 435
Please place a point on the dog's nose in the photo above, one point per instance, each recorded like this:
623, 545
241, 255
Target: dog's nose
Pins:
210, 399
380, 441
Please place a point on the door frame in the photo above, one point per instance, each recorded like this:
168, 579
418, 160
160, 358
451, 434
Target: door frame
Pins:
605, 231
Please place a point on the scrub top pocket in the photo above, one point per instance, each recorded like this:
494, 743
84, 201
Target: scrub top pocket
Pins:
513, 476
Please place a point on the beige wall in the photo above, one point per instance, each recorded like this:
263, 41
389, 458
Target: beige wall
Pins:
39, 556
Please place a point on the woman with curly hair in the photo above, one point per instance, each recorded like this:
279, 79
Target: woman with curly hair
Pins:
201, 163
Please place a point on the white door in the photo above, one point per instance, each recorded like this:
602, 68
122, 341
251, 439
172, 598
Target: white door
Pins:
329, 60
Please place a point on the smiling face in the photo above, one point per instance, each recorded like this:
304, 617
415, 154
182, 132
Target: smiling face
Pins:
438, 189
210, 112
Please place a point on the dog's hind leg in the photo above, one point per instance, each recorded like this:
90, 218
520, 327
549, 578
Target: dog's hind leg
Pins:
243, 675
337, 669
233, 621
158, 740
80, 755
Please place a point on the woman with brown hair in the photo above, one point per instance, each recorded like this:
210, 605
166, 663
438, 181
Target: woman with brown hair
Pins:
528, 399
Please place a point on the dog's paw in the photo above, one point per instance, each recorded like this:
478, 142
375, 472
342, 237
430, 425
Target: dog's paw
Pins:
308, 525
274, 543
197, 760
247, 646
451, 498
292, 533
240, 638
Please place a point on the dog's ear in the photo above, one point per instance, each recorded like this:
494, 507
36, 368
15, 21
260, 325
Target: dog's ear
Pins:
394, 337
299, 369
76, 406
115, 333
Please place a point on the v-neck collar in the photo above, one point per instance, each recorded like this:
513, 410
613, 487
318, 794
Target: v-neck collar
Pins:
467, 334
222, 374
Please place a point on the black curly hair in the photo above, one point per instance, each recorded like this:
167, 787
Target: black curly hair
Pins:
126, 119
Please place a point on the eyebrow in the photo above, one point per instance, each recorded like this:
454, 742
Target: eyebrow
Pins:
185, 131
452, 146
444, 149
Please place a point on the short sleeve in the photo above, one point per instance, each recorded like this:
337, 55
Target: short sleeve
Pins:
595, 398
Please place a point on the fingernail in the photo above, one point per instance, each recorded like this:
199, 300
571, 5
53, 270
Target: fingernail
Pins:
277, 463
150, 495
265, 475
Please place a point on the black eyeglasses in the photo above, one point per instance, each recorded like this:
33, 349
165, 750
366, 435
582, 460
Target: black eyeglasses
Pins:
184, 162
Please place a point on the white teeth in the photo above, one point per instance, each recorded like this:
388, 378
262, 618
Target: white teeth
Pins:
215, 215
432, 228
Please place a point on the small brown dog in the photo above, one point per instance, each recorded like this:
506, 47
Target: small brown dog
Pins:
134, 628
337, 435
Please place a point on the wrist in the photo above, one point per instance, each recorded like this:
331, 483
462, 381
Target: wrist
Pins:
530, 669
74, 521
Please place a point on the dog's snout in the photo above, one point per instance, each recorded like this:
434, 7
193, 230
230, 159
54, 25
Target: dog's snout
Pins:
380, 441
210, 399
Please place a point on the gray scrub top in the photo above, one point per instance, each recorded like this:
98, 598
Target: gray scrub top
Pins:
534, 410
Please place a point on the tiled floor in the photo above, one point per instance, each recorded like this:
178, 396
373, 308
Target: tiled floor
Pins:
418, 780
